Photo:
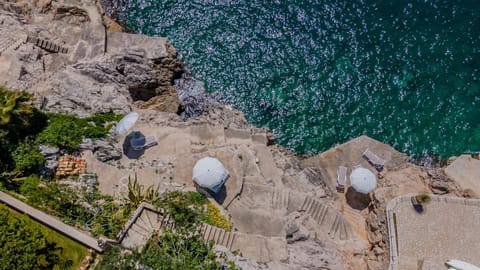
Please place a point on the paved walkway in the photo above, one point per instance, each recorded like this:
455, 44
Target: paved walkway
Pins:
447, 229
51, 222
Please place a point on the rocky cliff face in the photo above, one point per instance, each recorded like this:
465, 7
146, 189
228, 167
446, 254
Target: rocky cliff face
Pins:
63, 55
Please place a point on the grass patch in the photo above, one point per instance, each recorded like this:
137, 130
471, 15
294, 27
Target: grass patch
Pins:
72, 250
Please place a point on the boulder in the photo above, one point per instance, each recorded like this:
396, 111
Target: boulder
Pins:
105, 151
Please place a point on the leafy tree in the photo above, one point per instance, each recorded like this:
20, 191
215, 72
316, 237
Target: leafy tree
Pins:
27, 158
23, 245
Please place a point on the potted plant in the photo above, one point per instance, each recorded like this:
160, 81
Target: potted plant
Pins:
423, 198
420, 200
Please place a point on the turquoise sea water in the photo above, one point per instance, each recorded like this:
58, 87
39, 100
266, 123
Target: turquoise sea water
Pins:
322, 72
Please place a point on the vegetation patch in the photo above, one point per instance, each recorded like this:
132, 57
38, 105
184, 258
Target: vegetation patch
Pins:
190, 207
67, 131
213, 216
173, 250
89, 210
26, 244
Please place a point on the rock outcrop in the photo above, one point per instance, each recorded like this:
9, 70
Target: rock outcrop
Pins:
94, 71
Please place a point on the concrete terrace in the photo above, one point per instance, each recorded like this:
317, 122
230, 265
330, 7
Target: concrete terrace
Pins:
447, 229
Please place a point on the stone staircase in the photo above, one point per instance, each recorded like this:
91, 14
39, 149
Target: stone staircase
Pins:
142, 227
280, 198
328, 218
47, 45
340, 229
217, 235
353, 217
8, 43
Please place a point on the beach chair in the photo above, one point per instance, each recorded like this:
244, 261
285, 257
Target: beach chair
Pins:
341, 178
150, 141
373, 159
143, 142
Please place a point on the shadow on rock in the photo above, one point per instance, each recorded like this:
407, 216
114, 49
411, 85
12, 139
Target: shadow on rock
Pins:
132, 139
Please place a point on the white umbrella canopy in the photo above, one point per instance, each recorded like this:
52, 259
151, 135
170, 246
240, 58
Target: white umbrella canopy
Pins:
363, 180
209, 173
126, 123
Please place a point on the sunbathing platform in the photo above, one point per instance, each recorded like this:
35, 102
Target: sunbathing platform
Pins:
446, 229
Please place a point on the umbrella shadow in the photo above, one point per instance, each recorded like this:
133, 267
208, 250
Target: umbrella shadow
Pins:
357, 200
136, 137
221, 195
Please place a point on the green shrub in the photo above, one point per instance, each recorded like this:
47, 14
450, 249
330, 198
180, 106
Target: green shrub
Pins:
27, 158
180, 249
67, 131
184, 207
104, 217
423, 198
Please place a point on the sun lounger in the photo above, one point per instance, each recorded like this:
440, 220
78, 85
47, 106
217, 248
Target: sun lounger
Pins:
150, 141
373, 159
341, 178
143, 142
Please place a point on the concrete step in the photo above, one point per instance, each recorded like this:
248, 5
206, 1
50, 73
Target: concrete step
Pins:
146, 218
327, 217
217, 235
155, 219
334, 227
280, 198
248, 202
47, 45
354, 217
230, 240
167, 222
138, 230
345, 232
140, 226
143, 222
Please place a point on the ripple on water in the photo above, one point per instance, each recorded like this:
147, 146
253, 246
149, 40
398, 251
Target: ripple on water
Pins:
322, 72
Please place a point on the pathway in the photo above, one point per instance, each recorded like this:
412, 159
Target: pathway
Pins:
51, 222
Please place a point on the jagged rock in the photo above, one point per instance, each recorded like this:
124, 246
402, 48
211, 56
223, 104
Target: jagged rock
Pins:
105, 151
378, 251
49, 151
374, 237
22, 9
291, 229
439, 187
373, 222
468, 193
42, 5
87, 144
62, 11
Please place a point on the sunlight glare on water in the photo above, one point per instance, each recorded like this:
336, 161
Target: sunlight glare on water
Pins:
322, 72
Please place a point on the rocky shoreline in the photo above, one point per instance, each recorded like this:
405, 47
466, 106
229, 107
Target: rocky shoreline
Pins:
73, 60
